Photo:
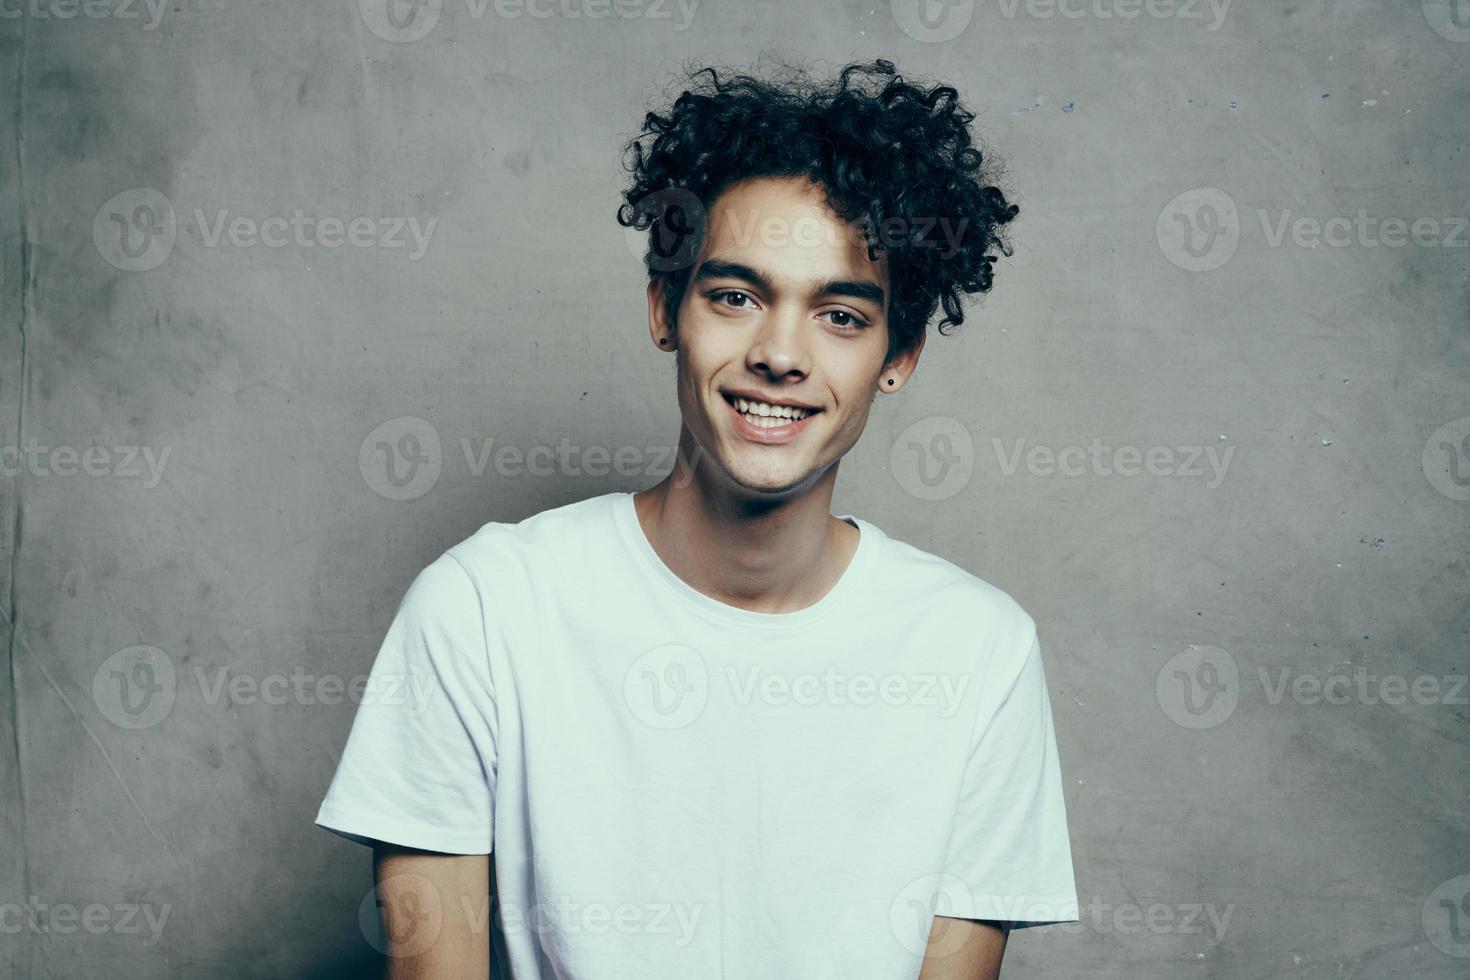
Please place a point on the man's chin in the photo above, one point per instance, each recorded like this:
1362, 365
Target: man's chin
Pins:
767, 484
735, 466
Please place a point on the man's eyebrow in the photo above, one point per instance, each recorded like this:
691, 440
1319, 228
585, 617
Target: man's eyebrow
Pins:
857, 290
715, 269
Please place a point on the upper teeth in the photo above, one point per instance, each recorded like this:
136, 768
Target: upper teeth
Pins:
762, 408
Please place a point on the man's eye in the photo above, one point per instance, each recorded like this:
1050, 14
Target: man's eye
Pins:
731, 297
844, 319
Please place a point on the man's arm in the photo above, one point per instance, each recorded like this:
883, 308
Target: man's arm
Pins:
964, 949
435, 910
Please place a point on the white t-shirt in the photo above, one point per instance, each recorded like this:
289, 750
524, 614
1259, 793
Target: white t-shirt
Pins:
671, 786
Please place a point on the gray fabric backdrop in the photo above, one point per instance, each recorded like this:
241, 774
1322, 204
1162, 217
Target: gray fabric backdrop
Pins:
280, 283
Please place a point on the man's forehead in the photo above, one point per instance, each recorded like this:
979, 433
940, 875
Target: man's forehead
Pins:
790, 223
771, 205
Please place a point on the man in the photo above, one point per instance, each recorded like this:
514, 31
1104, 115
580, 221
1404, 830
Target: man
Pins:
710, 729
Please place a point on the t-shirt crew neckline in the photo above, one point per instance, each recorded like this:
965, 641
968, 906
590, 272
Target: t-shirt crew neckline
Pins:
844, 593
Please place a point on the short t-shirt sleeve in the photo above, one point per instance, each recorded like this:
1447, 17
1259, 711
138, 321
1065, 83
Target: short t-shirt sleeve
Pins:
419, 765
1010, 851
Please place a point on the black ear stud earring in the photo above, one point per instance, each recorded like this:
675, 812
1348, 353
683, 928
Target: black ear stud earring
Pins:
890, 381
663, 340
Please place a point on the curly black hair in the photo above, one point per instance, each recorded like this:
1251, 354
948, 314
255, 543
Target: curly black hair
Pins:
889, 153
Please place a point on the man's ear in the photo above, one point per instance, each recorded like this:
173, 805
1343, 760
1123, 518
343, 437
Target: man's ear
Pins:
903, 364
659, 326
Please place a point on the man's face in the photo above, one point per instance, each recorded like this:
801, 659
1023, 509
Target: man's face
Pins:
783, 306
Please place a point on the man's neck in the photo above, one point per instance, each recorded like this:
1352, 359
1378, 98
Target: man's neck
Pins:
763, 556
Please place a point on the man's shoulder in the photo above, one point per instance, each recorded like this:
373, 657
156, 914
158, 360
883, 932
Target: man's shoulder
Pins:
938, 583
548, 536
508, 563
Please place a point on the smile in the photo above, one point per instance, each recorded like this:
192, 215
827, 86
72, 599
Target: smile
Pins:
766, 423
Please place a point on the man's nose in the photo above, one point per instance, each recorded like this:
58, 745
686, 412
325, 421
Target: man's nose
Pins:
780, 346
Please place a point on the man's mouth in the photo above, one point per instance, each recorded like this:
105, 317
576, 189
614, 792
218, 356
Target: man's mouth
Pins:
767, 414
768, 422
